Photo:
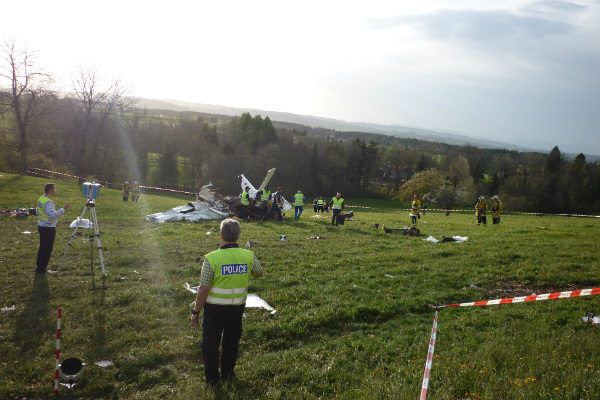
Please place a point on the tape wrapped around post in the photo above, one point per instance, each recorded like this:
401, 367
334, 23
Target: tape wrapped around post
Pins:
429, 360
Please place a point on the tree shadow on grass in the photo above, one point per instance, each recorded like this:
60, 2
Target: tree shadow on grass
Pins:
34, 321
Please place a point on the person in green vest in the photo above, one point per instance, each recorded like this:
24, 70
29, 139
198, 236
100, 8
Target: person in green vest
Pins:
222, 296
265, 196
320, 205
244, 203
299, 200
337, 206
47, 219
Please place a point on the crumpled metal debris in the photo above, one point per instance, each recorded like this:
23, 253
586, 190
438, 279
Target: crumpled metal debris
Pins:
457, 239
8, 309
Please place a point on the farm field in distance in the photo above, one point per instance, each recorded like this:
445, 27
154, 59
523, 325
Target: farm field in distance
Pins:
353, 317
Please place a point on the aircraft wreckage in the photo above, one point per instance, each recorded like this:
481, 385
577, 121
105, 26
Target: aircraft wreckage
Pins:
209, 205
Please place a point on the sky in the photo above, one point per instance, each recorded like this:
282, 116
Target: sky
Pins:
521, 72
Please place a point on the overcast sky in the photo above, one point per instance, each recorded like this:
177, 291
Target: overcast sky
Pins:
523, 72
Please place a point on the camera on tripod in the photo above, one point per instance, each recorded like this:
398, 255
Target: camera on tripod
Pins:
91, 190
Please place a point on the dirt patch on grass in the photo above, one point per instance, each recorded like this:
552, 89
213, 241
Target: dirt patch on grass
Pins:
516, 289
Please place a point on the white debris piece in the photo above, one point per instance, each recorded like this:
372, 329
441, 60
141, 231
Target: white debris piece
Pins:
26, 232
254, 301
8, 309
460, 239
455, 239
104, 363
82, 223
431, 239
591, 318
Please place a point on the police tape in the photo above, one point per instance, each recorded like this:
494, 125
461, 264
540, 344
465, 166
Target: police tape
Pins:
504, 212
429, 360
33, 171
526, 299
483, 303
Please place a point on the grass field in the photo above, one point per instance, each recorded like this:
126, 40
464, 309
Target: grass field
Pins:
352, 310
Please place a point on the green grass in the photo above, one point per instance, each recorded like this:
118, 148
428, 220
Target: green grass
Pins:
343, 329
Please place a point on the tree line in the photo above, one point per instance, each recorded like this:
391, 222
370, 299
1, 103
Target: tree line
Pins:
95, 129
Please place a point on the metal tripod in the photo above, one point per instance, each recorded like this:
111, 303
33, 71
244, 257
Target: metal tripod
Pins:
94, 236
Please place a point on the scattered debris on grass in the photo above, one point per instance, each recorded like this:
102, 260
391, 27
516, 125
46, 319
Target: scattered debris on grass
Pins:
18, 212
447, 239
376, 226
8, 309
591, 318
412, 231
251, 243
282, 238
26, 232
252, 300
104, 363
317, 237
471, 286
389, 276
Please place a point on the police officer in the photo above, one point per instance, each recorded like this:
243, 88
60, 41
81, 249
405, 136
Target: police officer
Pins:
337, 205
299, 200
276, 205
245, 202
47, 219
320, 204
222, 295
265, 196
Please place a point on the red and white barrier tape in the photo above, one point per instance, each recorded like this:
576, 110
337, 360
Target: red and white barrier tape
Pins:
429, 360
33, 170
57, 350
527, 299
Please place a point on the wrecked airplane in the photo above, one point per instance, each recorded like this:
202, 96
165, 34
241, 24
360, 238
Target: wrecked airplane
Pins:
209, 205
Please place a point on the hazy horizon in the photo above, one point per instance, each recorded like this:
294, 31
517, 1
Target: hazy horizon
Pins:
521, 72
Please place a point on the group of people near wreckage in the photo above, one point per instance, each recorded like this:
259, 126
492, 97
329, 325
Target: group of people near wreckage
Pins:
481, 209
133, 189
271, 205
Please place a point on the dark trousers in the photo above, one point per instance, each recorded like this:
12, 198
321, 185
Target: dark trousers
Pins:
481, 219
243, 211
495, 220
274, 209
413, 219
335, 217
47, 236
298, 211
221, 328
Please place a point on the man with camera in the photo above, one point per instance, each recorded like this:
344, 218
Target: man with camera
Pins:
222, 296
47, 219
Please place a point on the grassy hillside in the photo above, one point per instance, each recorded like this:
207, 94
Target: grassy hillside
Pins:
352, 310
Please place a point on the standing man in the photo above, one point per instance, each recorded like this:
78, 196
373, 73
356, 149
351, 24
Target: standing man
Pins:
135, 192
47, 219
265, 195
415, 210
480, 210
496, 210
276, 205
299, 200
245, 202
320, 205
125, 191
337, 205
222, 295
315, 204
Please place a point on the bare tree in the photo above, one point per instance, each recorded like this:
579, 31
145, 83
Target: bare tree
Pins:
99, 102
28, 87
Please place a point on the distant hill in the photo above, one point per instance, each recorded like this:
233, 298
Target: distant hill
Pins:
344, 126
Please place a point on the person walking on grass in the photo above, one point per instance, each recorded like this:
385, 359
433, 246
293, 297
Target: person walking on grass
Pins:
496, 209
222, 296
337, 206
135, 192
415, 210
47, 219
480, 211
299, 200
125, 190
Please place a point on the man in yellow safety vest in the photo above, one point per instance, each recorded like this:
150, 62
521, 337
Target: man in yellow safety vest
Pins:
415, 210
47, 219
245, 203
299, 200
337, 206
222, 296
